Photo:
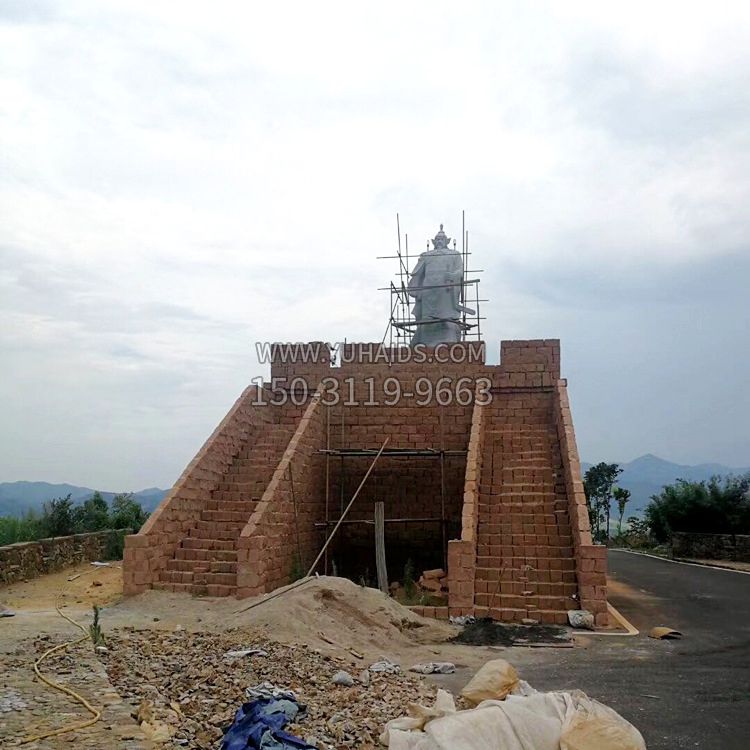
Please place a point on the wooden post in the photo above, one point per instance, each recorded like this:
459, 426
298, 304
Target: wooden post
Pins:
380, 547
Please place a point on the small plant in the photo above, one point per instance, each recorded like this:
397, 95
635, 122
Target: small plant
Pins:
297, 571
95, 629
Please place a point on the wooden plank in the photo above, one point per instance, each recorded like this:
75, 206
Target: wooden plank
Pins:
380, 563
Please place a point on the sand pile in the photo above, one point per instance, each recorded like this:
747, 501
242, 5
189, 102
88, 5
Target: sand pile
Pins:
337, 609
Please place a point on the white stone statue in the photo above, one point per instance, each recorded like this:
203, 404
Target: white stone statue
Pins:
435, 286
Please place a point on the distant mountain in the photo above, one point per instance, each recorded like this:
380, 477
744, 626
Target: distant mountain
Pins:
17, 497
645, 476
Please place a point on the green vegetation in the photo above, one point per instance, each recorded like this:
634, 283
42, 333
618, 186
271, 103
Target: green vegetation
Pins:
599, 486
718, 506
61, 517
95, 629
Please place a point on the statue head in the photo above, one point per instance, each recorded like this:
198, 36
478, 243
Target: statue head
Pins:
441, 241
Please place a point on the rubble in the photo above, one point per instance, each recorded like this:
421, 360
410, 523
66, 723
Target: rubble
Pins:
195, 692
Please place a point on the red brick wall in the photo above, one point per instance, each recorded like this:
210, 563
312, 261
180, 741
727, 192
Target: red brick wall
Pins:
282, 532
462, 553
591, 560
147, 552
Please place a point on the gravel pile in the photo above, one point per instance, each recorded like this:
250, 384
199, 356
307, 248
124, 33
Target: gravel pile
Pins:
185, 681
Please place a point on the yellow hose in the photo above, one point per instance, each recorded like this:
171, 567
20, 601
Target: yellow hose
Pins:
96, 714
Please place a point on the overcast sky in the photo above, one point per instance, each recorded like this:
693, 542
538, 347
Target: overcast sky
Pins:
179, 180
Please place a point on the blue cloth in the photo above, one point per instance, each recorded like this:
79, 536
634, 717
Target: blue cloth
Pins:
259, 725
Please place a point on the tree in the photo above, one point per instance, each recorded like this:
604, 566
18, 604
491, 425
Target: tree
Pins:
127, 513
93, 515
718, 506
621, 495
57, 517
598, 483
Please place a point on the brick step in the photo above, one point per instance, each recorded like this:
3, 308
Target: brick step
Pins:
506, 528
518, 573
485, 548
198, 577
206, 566
209, 530
209, 555
518, 551
235, 496
254, 472
489, 492
234, 483
196, 589
204, 543
490, 571
514, 523
509, 540
520, 496
236, 516
507, 555
517, 588
499, 458
505, 506
259, 457
522, 516
234, 506
528, 602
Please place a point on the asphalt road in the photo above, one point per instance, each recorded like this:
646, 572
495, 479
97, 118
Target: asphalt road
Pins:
702, 681
689, 693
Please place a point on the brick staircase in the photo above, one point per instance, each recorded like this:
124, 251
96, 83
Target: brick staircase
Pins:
205, 561
525, 560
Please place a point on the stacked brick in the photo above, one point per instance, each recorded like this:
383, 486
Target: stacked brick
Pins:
525, 563
147, 553
590, 559
281, 539
205, 561
250, 511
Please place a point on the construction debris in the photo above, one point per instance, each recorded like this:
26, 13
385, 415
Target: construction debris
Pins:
343, 678
245, 652
385, 666
187, 671
581, 618
434, 667
462, 620
662, 633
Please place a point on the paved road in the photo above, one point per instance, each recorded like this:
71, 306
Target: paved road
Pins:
691, 693
703, 681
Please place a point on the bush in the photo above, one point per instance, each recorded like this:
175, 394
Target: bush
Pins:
719, 506
60, 517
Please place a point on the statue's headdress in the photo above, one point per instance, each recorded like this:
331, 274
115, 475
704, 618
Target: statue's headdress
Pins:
440, 241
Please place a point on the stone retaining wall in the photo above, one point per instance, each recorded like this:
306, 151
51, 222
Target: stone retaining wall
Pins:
711, 546
24, 560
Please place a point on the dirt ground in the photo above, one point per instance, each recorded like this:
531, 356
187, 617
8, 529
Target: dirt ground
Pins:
334, 617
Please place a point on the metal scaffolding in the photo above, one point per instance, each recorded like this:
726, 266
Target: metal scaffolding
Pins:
401, 324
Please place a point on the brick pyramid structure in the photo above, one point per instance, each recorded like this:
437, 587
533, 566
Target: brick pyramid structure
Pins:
480, 473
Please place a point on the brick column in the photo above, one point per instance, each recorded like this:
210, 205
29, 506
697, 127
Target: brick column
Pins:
591, 559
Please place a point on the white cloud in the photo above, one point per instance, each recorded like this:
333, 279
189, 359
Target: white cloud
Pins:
177, 181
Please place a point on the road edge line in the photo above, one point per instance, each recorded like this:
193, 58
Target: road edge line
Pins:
680, 562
